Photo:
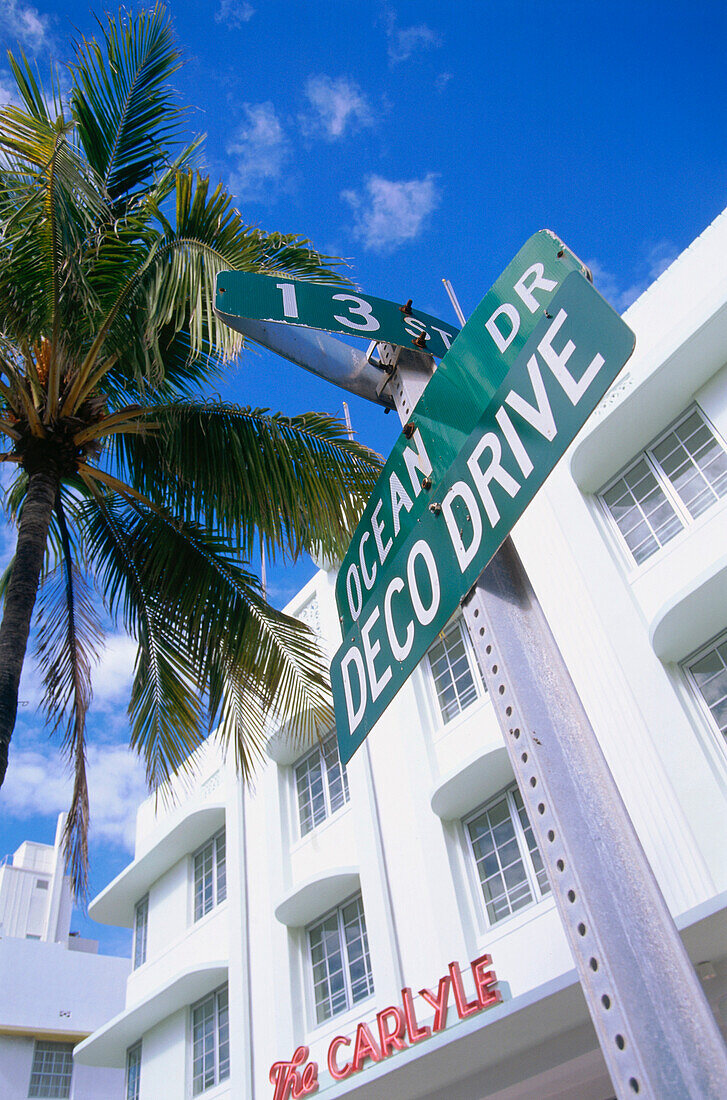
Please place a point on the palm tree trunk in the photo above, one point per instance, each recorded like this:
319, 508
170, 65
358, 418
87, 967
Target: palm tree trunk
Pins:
20, 600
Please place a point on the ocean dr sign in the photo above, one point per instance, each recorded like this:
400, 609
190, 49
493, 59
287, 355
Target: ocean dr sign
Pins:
449, 410
396, 1028
334, 308
574, 352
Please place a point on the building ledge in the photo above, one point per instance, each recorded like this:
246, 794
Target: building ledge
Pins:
109, 1044
317, 895
115, 904
472, 783
692, 616
642, 404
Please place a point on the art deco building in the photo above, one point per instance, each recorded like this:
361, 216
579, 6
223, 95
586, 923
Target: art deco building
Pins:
335, 912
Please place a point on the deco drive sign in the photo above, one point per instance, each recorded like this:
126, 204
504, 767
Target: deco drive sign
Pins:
526, 371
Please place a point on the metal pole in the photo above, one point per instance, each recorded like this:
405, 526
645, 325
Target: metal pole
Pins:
657, 1032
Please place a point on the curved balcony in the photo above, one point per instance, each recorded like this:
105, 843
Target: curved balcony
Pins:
115, 904
694, 615
316, 896
661, 380
472, 783
108, 1045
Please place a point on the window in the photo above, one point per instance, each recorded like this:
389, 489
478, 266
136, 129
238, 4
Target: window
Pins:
210, 1041
708, 673
133, 1072
321, 784
668, 486
141, 921
340, 961
52, 1068
210, 876
41, 884
508, 864
455, 680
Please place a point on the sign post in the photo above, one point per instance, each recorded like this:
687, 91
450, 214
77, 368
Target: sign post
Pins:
527, 385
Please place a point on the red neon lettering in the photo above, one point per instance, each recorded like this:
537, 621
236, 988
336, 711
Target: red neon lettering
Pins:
337, 1072
483, 980
415, 1031
464, 1008
395, 1038
438, 1003
287, 1080
364, 1048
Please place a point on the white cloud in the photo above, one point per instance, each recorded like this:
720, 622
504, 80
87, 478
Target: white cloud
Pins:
234, 13
113, 674
392, 211
25, 24
652, 263
336, 106
38, 783
260, 150
8, 91
402, 42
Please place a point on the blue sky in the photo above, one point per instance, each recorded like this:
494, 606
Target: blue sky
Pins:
420, 140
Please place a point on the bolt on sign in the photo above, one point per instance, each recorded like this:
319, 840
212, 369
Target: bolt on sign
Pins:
401, 582
334, 308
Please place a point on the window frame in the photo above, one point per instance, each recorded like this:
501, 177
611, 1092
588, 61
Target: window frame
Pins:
219, 892
213, 996
538, 896
133, 1051
481, 693
317, 752
337, 910
142, 905
663, 481
695, 691
41, 1046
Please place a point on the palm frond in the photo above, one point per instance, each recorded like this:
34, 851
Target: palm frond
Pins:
68, 638
299, 481
126, 112
166, 710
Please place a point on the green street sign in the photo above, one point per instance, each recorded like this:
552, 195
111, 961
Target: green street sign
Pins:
448, 410
574, 352
334, 308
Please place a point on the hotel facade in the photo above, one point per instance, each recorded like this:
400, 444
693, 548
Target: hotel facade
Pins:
387, 929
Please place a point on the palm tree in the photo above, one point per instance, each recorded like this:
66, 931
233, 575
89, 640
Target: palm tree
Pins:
128, 481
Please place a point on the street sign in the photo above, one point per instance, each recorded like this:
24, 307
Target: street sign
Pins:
576, 349
331, 307
450, 407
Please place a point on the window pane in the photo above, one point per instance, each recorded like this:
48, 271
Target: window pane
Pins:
221, 868
695, 463
644, 515
710, 676
133, 1072
223, 1036
210, 876
453, 680
340, 961
51, 1071
321, 784
141, 921
203, 1052
203, 881
357, 950
504, 866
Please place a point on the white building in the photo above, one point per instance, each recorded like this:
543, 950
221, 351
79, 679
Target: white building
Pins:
54, 989
308, 914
